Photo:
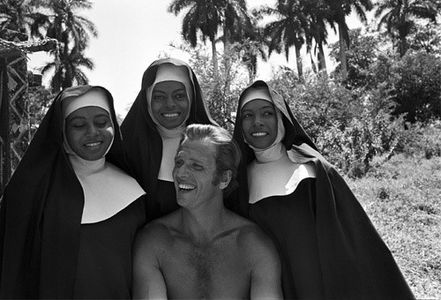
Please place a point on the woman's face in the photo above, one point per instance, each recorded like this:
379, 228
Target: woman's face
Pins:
89, 132
170, 103
259, 123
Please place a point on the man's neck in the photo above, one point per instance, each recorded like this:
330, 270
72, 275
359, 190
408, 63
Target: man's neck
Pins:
204, 224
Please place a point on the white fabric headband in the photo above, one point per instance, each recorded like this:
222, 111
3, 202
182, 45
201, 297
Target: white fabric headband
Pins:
170, 72
263, 94
253, 94
87, 99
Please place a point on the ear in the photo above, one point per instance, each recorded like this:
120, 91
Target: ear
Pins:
225, 179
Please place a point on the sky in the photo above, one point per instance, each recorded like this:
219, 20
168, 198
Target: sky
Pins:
131, 35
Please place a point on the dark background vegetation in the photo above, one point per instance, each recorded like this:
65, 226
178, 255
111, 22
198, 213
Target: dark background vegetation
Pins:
376, 116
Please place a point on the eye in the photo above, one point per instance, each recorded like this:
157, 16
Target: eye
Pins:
178, 163
181, 96
246, 115
77, 124
102, 121
158, 97
197, 167
268, 113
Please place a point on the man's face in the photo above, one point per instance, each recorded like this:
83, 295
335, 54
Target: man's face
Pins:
194, 174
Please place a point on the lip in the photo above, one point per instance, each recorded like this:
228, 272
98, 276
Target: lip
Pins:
259, 134
93, 145
186, 187
171, 115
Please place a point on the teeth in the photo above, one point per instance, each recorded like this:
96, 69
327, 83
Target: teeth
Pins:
93, 144
259, 134
174, 115
186, 186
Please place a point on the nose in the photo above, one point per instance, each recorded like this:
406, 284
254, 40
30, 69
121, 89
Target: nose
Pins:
92, 130
170, 103
258, 121
180, 172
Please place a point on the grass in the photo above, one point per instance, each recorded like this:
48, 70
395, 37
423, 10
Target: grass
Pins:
402, 197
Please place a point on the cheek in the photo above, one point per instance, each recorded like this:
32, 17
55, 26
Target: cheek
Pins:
109, 132
185, 106
246, 125
156, 106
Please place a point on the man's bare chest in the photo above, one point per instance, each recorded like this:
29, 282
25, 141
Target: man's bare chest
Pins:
214, 270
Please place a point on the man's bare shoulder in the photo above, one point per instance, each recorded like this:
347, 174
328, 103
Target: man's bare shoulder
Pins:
250, 235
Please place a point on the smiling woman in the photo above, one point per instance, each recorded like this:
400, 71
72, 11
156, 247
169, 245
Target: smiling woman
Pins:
89, 130
170, 98
69, 215
327, 244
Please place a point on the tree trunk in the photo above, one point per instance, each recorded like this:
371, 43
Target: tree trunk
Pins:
299, 61
227, 60
214, 59
322, 60
343, 58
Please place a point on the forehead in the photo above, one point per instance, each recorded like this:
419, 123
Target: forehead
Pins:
87, 112
198, 150
169, 85
257, 104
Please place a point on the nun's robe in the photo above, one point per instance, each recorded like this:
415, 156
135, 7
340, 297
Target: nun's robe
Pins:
45, 251
328, 246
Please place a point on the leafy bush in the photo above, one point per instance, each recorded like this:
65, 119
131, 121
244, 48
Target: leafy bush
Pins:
416, 82
349, 127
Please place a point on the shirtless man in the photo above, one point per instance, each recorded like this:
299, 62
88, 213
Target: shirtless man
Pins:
203, 250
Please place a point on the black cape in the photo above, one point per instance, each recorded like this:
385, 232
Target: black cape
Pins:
355, 262
141, 137
41, 210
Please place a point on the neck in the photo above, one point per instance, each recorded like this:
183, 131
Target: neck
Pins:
203, 224
273, 153
170, 133
84, 167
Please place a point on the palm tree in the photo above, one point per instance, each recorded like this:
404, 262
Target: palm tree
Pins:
338, 11
250, 49
203, 16
66, 70
237, 26
73, 33
399, 18
287, 31
316, 33
18, 19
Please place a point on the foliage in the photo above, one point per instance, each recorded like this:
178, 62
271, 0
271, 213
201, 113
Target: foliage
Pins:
73, 31
348, 127
56, 19
362, 55
221, 101
399, 17
401, 197
416, 81
426, 38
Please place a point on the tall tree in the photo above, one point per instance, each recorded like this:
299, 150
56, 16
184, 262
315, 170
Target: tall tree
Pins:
338, 11
237, 26
67, 69
204, 16
18, 19
317, 14
209, 17
287, 30
399, 18
73, 33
